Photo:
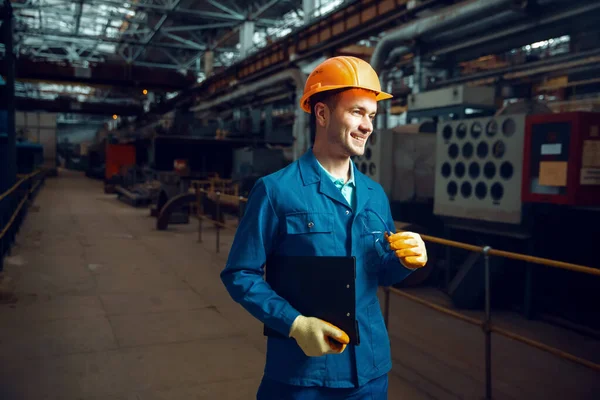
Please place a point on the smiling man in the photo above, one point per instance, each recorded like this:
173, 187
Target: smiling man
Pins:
322, 205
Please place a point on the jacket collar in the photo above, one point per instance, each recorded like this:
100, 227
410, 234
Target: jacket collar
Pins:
311, 173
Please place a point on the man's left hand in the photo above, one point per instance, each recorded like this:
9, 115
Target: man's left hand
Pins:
409, 248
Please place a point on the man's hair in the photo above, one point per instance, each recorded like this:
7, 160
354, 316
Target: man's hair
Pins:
328, 97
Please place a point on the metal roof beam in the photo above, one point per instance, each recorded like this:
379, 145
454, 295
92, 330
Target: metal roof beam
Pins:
68, 37
119, 75
155, 30
225, 8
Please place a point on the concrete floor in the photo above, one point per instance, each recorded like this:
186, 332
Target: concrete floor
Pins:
109, 308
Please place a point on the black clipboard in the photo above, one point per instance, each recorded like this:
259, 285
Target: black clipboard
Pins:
317, 286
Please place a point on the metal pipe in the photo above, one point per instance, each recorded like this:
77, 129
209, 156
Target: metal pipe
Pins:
477, 26
300, 133
218, 218
199, 210
443, 20
569, 12
487, 326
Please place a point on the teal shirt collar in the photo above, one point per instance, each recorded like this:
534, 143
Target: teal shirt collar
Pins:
338, 181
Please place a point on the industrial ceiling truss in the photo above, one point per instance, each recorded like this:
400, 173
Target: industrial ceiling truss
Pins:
171, 34
158, 45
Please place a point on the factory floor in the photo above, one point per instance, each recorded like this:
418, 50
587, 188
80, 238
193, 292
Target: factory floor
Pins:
107, 307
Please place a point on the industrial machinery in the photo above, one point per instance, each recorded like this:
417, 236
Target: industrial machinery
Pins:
512, 179
562, 163
39, 128
118, 156
30, 157
479, 168
456, 102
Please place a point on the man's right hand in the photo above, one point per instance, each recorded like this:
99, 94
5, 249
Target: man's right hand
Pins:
317, 337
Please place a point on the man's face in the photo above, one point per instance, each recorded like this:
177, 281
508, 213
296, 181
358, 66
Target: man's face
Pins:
351, 122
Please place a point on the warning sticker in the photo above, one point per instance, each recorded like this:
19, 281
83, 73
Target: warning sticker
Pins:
553, 173
590, 176
591, 153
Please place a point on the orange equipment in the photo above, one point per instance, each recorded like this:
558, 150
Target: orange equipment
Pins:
117, 157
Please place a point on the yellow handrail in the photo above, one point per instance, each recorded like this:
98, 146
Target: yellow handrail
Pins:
486, 324
16, 185
514, 256
478, 249
16, 212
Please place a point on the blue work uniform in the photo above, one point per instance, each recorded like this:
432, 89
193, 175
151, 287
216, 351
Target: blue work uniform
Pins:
299, 211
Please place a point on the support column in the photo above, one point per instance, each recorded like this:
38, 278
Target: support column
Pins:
208, 63
8, 166
308, 6
246, 37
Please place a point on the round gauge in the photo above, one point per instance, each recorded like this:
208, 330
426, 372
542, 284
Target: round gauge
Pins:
481, 190
492, 128
459, 169
372, 169
476, 130
497, 191
447, 132
498, 149
467, 150
482, 150
446, 169
509, 127
453, 151
474, 170
368, 154
466, 189
452, 188
489, 170
373, 138
461, 131
506, 170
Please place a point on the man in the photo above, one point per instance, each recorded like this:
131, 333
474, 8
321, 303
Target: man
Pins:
322, 205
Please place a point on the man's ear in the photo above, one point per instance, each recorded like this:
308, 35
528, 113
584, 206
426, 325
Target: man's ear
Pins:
321, 114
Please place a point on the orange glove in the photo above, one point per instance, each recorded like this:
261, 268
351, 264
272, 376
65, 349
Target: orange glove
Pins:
317, 337
409, 248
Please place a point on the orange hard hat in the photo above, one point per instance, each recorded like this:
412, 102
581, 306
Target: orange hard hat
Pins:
341, 72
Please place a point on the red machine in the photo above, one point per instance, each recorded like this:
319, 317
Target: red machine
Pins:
117, 157
561, 159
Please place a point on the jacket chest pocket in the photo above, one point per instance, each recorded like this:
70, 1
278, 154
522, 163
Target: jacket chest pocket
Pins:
310, 232
373, 242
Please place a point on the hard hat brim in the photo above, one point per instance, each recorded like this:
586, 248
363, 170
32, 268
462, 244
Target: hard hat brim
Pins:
304, 104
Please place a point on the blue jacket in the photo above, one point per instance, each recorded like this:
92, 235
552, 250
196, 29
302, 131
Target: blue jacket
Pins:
276, 221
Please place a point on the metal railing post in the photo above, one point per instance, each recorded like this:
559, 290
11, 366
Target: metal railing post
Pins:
487, 325
200, 211
218, 218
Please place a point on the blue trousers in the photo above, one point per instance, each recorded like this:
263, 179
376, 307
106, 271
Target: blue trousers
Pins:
272, 390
